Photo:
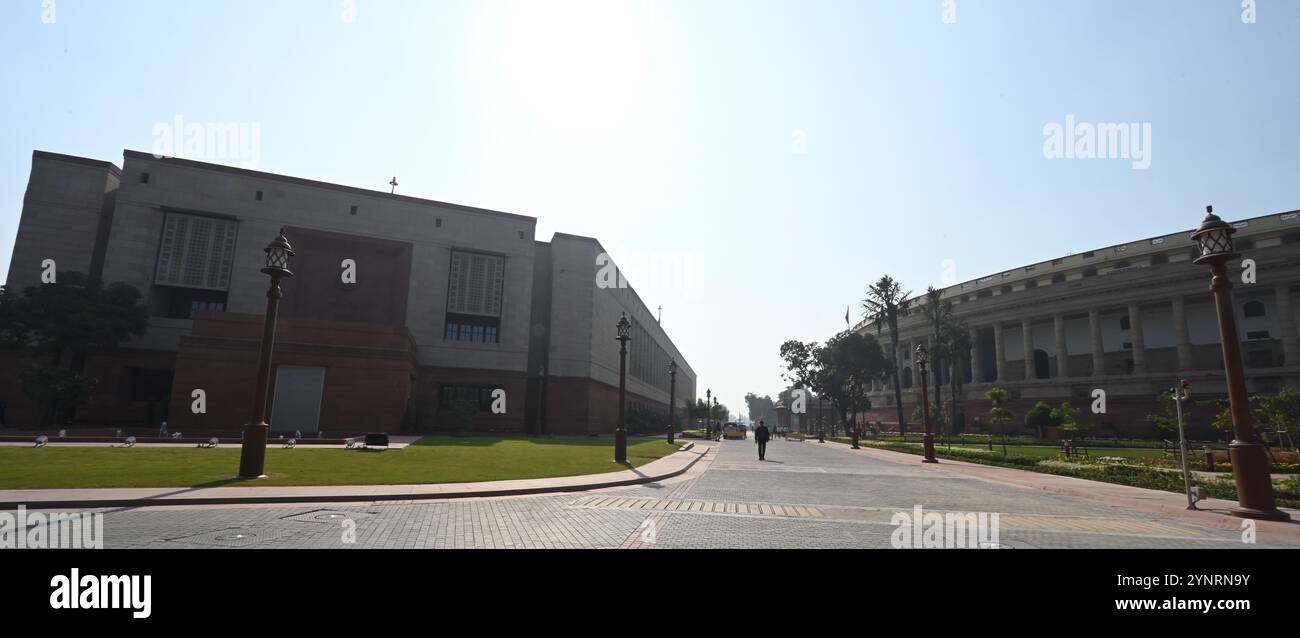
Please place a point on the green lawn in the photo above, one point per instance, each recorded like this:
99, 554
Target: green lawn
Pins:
430, 460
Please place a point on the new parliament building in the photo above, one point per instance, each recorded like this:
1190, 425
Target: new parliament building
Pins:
444, 305
1130, 319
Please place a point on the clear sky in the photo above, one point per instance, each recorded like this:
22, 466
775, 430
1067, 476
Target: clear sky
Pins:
752, 165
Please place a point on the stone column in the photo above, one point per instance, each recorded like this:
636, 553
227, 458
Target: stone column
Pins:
1027, 338
1000, 351
1137, 339
1286, 325
976, 361
1180, 334
1062, 356
1098, 353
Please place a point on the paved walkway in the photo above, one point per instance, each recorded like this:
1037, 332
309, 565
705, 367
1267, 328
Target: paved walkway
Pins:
664, 468
807, 495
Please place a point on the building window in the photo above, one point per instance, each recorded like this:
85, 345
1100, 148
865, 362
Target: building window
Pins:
144, 178
1121, 264
473, 329
1006, 289
1254, 309
475, 284
478, 395
353, 211
196, 252
1124, 323
1245, 244
183, 303
1256, 334
258, 196
1157, 260
1058, 278
1089, 272
1032, 283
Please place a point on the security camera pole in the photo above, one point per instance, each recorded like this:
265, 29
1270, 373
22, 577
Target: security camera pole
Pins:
1180, 395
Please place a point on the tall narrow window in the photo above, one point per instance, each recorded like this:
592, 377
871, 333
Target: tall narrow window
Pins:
475, 283
196, 252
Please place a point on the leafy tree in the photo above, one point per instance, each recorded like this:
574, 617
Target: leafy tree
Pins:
847, 364
70, 317
760, 408
999, 416
61, 322
1166, 421
1040, 416
886, 302
1064, 416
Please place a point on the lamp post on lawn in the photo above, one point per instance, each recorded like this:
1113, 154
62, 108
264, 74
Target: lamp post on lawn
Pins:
922, 358
252, 452
620, 435
541, 399
1250, 462
672, 395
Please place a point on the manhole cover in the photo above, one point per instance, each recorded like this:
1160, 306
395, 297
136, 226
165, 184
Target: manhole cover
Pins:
239, 537
326, 516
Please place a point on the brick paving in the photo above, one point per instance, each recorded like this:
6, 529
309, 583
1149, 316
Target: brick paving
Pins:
807, 495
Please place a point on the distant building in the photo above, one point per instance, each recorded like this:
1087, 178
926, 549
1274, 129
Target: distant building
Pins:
449, 303
1129, 319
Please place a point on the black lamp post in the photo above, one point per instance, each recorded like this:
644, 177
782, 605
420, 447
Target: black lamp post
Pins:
541, 399
1250, 462
922, 358
620, 435
252, 453
708, 413
672, 395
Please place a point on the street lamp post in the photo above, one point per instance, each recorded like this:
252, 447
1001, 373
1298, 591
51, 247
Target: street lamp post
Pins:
620, 435
672, 395
922, 357
541, 399
252, 453
1250, 462
708, 413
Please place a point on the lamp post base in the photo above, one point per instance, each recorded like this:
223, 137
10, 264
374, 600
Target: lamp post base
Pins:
620, 445
1250, 471
252, 452
928, 443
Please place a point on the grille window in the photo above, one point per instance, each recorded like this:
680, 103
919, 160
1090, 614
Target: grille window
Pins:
475, 283
196, 252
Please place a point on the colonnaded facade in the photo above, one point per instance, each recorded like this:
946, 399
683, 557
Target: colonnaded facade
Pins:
1129, 319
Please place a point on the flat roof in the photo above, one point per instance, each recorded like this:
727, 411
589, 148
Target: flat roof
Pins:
74, 159
244, 172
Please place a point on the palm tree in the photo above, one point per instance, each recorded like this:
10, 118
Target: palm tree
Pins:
939, 312
884, 302
957, 335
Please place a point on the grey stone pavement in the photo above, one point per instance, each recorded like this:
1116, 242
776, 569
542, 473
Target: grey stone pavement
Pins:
806, 495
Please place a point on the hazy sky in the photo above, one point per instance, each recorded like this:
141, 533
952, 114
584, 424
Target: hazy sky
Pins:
751, 165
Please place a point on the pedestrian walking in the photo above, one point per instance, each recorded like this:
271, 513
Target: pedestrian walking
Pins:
760, 437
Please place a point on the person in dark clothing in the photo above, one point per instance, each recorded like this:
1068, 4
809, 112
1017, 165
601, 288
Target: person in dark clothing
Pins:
761, 435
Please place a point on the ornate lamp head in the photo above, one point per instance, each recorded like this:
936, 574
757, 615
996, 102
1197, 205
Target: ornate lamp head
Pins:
1214, 238
278, 253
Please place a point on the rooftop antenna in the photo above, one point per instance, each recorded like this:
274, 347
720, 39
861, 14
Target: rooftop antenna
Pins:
393, 183
660, 319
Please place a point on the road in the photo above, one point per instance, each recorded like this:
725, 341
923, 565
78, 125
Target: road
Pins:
806, 495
